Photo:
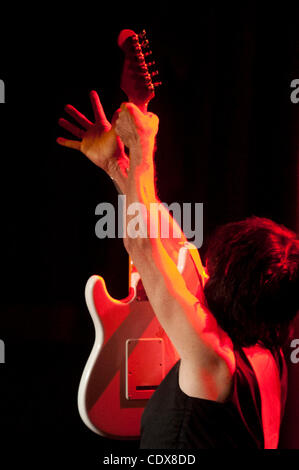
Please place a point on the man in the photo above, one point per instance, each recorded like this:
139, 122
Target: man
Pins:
228, 388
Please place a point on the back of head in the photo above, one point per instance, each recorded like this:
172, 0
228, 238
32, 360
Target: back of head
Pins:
253, 285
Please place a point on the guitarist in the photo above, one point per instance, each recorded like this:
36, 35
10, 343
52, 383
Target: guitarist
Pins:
228, 389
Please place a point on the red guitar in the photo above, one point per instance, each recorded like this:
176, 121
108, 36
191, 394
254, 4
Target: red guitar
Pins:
131, 354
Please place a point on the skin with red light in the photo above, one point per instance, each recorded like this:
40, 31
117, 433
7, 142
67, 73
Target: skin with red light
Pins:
207, 358
97, 140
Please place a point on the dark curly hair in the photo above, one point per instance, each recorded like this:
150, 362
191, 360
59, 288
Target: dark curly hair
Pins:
253, 285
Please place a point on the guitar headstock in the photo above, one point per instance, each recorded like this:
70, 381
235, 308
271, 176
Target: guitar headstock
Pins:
137, 75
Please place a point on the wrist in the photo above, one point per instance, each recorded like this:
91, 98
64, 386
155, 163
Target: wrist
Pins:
117, 169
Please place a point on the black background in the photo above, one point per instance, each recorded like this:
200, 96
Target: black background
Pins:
228, 138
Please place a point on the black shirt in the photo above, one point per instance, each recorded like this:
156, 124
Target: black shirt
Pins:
173, 420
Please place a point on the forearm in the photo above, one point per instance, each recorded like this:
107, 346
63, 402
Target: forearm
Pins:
143, 176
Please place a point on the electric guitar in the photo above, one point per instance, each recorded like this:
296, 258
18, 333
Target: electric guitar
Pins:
131, 353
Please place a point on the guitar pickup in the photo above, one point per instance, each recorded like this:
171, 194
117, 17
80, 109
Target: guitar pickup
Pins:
144, 367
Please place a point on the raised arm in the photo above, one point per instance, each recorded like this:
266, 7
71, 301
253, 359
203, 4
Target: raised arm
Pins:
207, 360
98, 141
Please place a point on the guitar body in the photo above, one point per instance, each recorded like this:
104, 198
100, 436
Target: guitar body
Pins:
130, 357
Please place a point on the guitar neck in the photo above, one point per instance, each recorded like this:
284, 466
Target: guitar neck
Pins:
137, 84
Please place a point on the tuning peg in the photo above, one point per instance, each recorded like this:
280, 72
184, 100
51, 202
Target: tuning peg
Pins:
146, 54
150, 64
156, 84
142, 35
154, 73
145, 44
139, 56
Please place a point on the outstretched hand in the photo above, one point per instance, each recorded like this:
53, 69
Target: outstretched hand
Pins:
98, 140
